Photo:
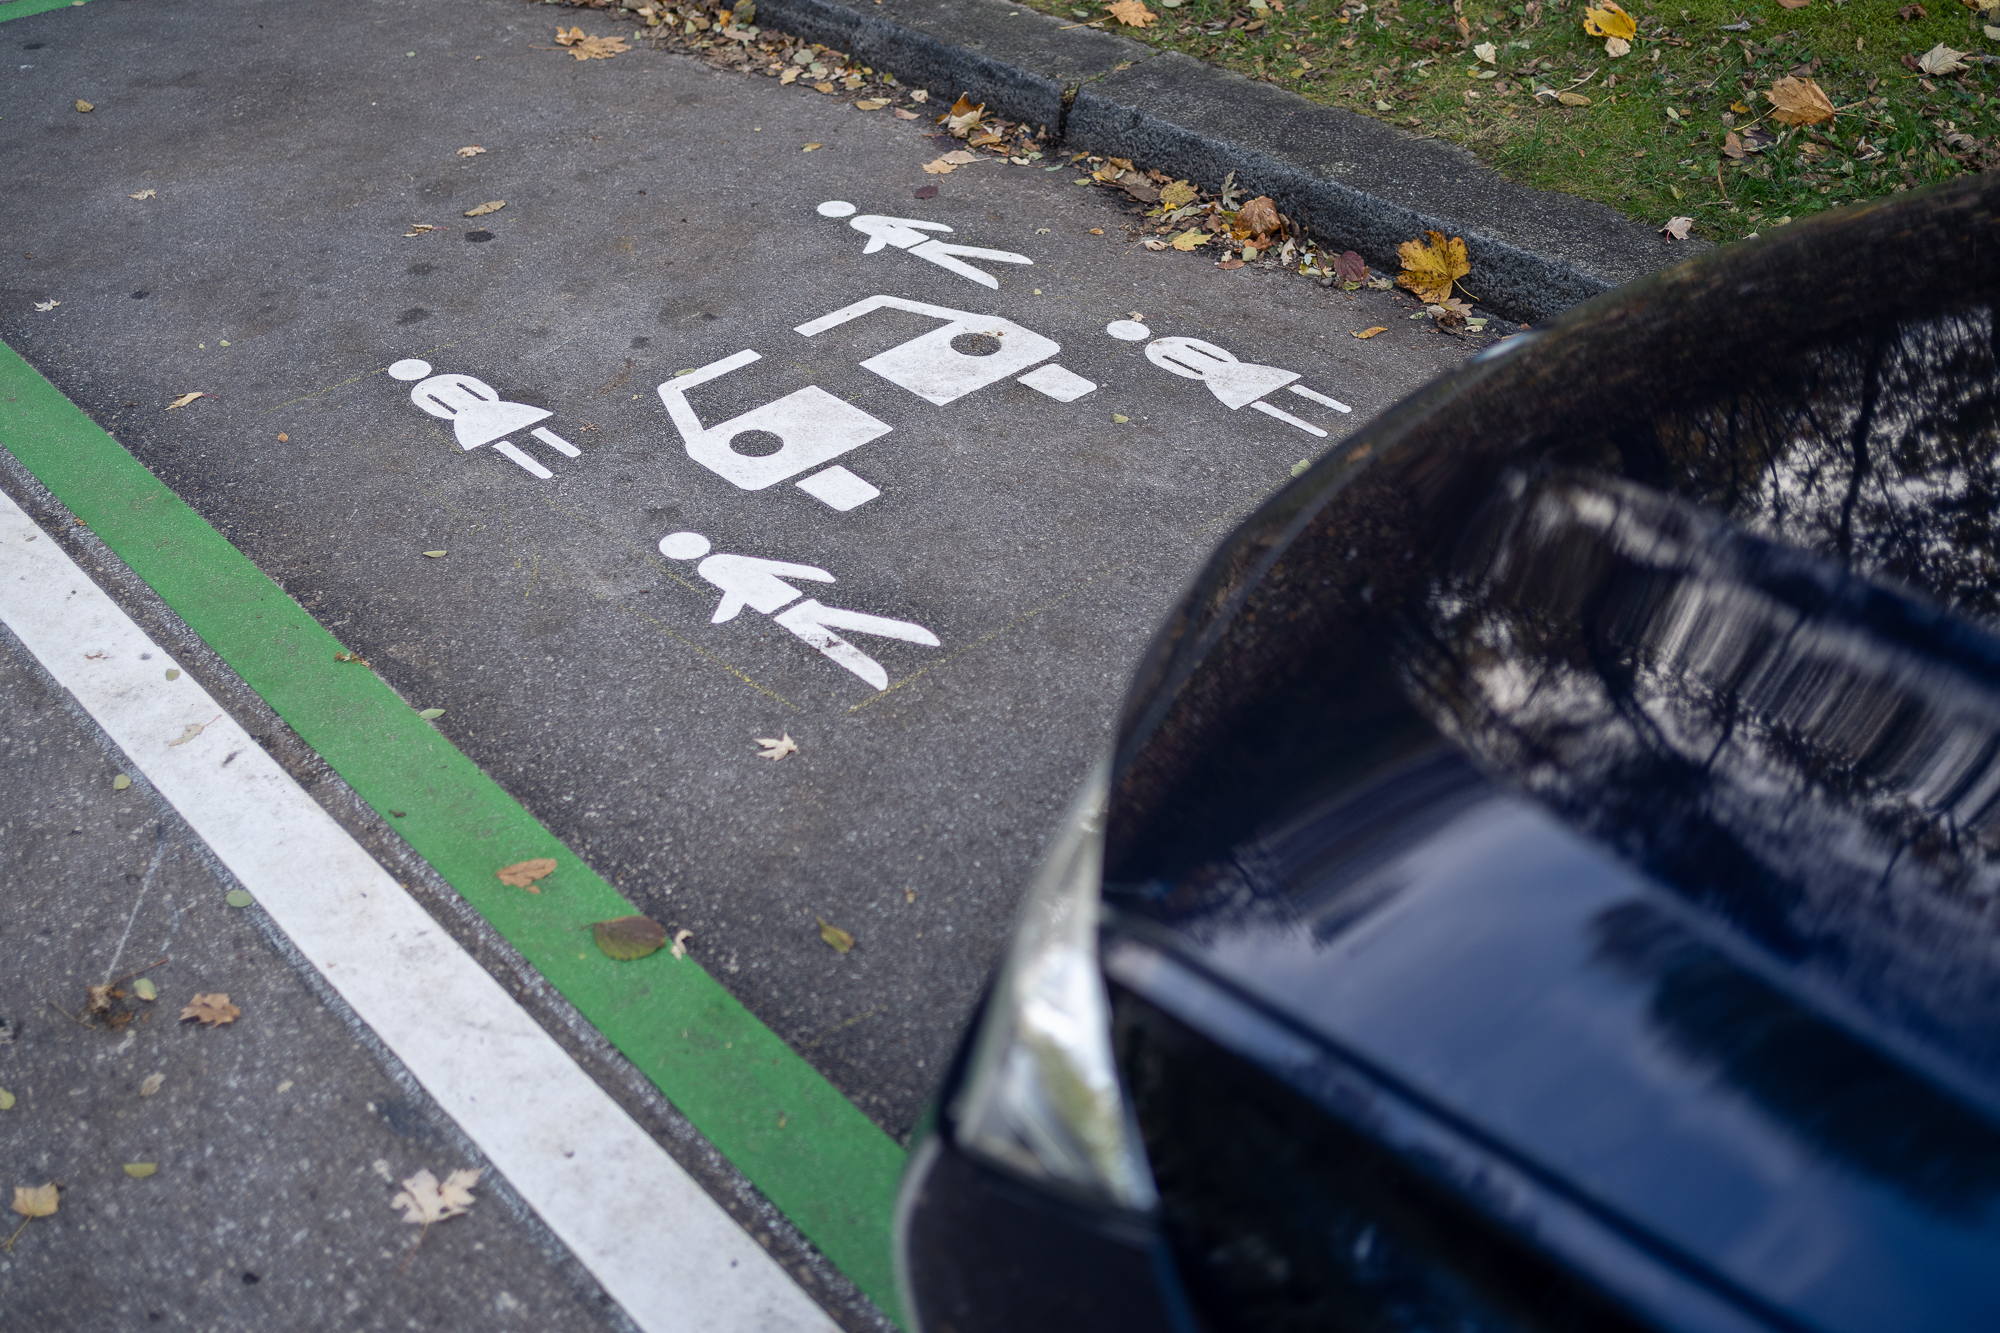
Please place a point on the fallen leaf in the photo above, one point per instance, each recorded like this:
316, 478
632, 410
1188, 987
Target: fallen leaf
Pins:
238, 898
822, 87
958, 157
1732, 146
1799, 102
143, 194
1486, 52
152, 1084
834, 935
437, 555
419, 229
679, 946
490, 206
345, 656
121, 782
1992, 33
924, 192
1131, 13
901, 114
1120, 419
1179, 194
1154, 243
1430, 268
431, 714
146, 990
1610, 20
1349, 266
51, 305
812, 148
940, 167
423, 1201
184, 399
590, 48
628, 937
1231, 263
790, 74
85, 107
35, 1200
963, 117
6, 1100
1794, 4
1259, 217
1190, 238
872, 104
1941, 59
282, 437
471, 150
192, 730
211, 1010
1616, 47
986, 139
1572, 99
523, 874
1370, 333
1677, 228
778, 748
140, 1170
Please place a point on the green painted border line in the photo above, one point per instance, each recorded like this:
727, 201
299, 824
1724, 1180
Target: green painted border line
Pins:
20, 9
823, 1163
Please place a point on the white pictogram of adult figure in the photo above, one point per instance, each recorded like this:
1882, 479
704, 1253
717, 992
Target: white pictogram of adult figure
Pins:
908, 234
747, 580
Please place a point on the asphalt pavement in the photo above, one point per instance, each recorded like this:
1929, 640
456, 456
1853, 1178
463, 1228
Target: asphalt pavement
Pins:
733, 423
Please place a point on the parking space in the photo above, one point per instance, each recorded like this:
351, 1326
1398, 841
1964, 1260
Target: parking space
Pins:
724, 427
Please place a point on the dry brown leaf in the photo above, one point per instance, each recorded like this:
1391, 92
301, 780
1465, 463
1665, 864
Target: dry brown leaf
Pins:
1799, 102
1732, 146
985, 138
789, 75
1431, 266
424, 1201
211, 1010
822, 87
151, 1084
143, 194
963, 116
1370, 333
959, 157
1131, 13
939, 168
1349, 266
1154, 243
590, 48
901, 114
490, 206
1941, 59
1179, 194
187, 398
1677, 228
776, 747
419, 229
1572, 99
835, 936
679, 946
36, 1200
627, 938
1259, 217
471, 150
523, 874
872, 104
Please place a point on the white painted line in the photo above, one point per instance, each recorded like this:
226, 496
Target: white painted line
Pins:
508, 448
556, 442
651, 1237
839, 488
1286, 417
1334, 403
1065, 386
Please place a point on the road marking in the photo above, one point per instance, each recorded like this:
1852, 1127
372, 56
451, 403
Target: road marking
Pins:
1234, 383
659, 1246
830, 1170
908, 234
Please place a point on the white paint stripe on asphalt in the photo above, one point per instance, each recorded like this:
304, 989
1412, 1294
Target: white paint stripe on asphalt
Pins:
665, 1251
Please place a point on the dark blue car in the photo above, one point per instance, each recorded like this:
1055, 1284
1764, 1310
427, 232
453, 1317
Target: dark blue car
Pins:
1548, 876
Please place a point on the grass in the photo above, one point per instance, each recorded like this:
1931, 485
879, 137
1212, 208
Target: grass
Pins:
1651, 141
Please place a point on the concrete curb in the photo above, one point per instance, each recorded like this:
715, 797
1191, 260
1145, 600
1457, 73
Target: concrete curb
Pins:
1357, 183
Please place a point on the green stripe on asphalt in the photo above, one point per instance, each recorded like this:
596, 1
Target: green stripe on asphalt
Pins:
20, 9
814, 1155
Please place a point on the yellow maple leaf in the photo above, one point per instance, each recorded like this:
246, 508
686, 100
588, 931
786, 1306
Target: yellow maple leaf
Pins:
1799, 102
1431, 267
1610, 21
1190, 238
1131, 13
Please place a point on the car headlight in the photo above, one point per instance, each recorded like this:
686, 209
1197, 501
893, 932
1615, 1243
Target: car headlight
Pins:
1041, 1095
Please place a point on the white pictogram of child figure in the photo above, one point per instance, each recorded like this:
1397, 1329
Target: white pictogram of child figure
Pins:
747, 580
478, 415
